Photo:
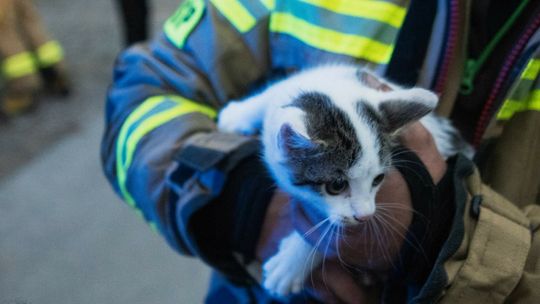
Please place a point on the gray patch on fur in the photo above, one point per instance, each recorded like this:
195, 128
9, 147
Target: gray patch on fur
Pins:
333, 146
397, 113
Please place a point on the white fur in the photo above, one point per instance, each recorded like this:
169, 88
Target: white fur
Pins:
285, 270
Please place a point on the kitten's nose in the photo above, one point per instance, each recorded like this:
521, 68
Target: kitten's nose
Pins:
360, 218
363, 212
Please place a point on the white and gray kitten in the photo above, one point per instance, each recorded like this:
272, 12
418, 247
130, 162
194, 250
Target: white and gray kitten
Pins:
327, 133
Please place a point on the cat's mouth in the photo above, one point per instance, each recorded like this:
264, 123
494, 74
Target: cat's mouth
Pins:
361, 219
355, 220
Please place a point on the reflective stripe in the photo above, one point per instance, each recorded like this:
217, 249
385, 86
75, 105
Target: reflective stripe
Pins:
49, 53
525, 95
153, 225
178, 27
18, 65
381, 11
330, 40
236, 13
270, 4
511, 107
532, 70
346, 24
128, 141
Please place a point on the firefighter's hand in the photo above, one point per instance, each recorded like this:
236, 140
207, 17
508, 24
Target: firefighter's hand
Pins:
372, 248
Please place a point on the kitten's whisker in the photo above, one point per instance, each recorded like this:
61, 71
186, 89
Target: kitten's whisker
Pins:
312, 229
400, 152
343, 236
341, 260
418, 247
388, 225
411, 170
385, 254
311, 257
396, 206
314, 251
378, 237
370, 228
404, 161
324, 258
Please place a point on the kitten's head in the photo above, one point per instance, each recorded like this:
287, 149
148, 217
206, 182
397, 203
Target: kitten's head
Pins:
336, 155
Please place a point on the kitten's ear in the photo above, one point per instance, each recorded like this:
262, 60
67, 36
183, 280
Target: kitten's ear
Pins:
290, 141
405, 106
372, 81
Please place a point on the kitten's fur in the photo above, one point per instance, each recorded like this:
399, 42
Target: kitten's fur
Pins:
324, 126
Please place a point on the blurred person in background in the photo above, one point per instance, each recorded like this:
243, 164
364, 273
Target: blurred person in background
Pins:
135, 20
30, 60
209, 194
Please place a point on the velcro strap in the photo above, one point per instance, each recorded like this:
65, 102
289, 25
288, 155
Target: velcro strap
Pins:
497, 251
205, 150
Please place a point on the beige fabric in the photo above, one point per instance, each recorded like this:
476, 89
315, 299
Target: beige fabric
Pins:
30, 24
22, 31
514, 166
528, 289
491, 260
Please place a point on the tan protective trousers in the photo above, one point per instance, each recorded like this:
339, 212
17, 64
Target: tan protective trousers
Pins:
25, 46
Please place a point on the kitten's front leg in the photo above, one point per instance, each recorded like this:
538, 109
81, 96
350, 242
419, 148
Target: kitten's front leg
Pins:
286, 271
243, 117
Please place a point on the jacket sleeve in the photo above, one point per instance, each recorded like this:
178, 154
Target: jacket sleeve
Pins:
160, 150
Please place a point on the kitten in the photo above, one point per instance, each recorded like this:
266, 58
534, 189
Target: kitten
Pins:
327, 134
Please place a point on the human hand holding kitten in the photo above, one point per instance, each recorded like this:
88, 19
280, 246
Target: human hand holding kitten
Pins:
329, 135
336, 284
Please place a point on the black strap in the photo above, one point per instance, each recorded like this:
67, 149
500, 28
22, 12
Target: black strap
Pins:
429, 228
412, 43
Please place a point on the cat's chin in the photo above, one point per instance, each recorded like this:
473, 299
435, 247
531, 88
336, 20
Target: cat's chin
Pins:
353, 221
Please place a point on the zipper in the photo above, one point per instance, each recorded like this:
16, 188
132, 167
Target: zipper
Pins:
450, 46
500, 80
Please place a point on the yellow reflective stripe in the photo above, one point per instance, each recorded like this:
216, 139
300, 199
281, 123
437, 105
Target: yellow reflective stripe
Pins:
330, 40
178, 27
130, 141
532, 70
152, 225
49, 53
381, 11
140, 111
510, 107
269, 4
236, 13
18, 65
159, 119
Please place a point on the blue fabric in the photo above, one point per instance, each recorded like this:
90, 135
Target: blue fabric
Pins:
222, 291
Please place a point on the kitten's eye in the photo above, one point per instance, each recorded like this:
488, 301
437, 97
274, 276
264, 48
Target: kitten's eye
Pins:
377, 180
336, 187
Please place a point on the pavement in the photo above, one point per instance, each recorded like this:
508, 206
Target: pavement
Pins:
65, 237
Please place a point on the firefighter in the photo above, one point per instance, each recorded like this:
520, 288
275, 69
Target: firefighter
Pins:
210, 196
29, 58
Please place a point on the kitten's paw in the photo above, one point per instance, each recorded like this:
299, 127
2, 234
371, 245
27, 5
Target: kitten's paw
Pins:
286, 271
237, 117
281, 278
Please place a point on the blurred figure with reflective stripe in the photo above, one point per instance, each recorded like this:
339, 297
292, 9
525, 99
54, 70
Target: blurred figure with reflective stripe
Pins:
29, 58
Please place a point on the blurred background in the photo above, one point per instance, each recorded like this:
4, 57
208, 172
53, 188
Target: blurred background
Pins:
65, 237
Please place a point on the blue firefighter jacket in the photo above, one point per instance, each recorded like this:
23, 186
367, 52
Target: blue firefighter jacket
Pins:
161, 151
